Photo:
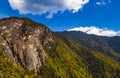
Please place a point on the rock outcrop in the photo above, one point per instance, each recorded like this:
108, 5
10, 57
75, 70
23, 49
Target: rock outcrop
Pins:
22, 41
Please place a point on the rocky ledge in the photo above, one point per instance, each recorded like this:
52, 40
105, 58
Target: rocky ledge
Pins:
22, 41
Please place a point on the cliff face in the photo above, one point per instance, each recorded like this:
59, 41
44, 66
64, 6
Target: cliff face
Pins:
22, 41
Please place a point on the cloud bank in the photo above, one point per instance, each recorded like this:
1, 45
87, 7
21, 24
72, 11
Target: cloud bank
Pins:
97, 31
49, 7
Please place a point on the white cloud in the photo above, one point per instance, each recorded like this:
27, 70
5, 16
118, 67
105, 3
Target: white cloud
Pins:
98, 3
97, 31
109, 1
49, 7
101, 3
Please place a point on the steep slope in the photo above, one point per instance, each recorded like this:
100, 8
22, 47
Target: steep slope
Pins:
98, 65
10, 70
23, 41
114, 43
106, 45
29, 49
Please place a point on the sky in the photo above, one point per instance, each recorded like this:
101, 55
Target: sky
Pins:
61, 15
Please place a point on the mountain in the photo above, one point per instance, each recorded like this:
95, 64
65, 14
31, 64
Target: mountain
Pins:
31, 50
109, 46
23, 40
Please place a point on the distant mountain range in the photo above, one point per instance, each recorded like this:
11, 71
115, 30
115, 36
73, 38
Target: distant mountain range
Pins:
31, 50
109, 46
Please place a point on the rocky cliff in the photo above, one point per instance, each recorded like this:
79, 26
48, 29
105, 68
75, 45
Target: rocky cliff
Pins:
22, 41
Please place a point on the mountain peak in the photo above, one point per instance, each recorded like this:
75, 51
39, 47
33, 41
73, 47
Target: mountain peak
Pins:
23, 41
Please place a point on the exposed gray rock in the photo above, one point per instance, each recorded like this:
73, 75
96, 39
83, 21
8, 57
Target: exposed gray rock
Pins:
22, 41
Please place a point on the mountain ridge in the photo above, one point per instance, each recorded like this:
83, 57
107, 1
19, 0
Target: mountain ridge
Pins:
101, 44
37, 52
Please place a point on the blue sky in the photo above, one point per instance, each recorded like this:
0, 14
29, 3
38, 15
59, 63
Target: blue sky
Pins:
98, 13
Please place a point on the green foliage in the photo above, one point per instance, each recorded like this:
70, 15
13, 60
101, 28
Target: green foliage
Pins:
106, 45
111, 66
63, 63
99, 65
